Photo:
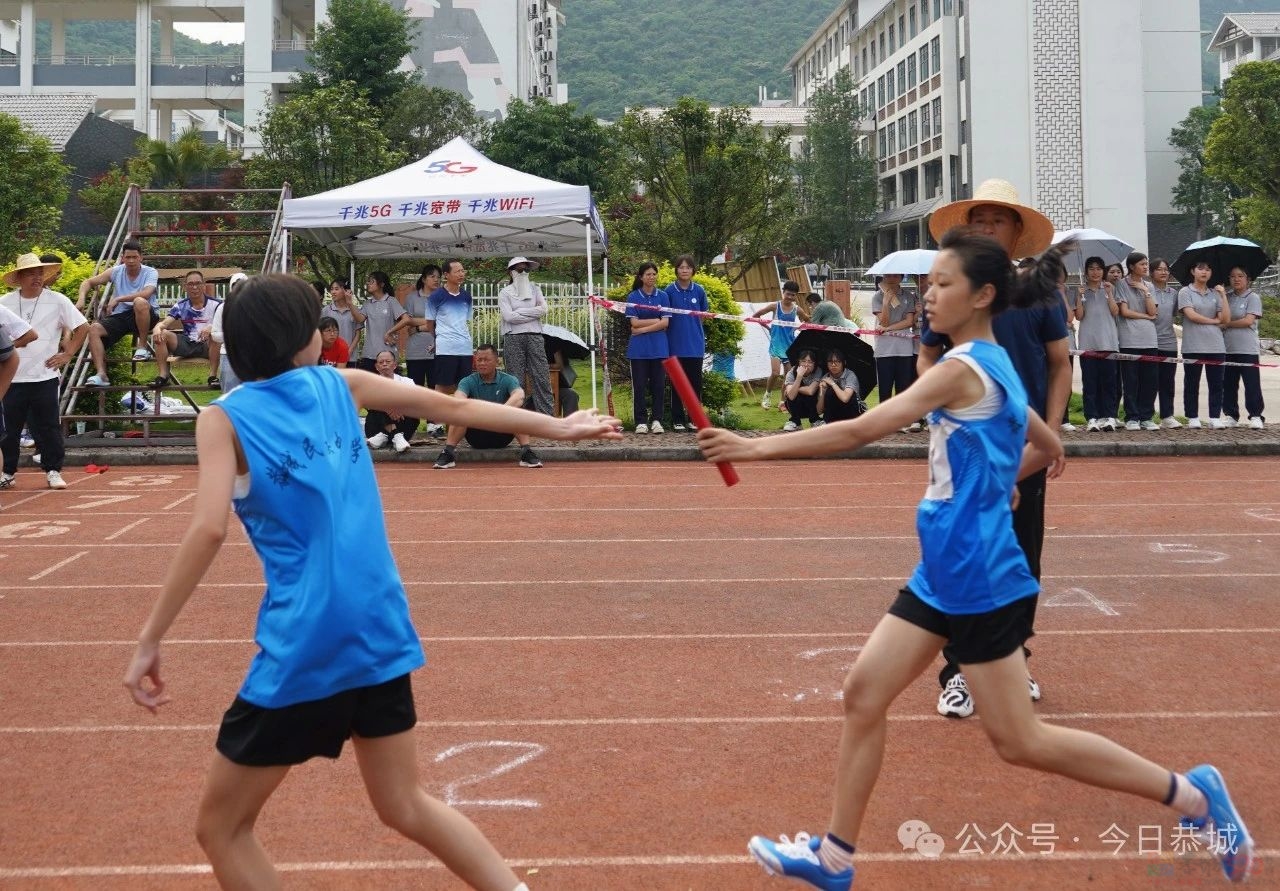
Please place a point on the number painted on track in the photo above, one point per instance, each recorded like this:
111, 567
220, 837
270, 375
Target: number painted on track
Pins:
1192, 553
155, 481
91, 501
518, 753
38, 528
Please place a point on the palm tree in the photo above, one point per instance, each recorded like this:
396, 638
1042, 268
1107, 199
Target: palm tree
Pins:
179, 163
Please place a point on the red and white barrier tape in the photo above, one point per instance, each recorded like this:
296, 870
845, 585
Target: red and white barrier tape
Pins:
1173, 360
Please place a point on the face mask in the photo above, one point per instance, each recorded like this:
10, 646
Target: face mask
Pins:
521, 281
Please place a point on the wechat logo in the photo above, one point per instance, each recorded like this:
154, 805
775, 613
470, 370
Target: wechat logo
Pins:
915, 835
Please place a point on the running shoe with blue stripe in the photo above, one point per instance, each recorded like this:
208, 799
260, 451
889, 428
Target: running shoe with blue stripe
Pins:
798, 860
1225, 833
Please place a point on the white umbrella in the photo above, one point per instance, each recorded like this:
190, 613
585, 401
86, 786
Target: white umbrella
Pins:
913, 262
1092, 243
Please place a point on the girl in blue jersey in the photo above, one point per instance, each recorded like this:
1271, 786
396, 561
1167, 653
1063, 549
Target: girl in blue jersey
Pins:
972, 589
335, 641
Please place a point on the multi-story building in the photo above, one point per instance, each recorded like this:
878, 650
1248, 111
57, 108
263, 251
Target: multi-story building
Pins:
1070, 100
490, 52
1245, 37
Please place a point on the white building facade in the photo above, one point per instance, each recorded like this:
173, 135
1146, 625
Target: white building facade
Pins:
490, 52
1245, 37
1070, 100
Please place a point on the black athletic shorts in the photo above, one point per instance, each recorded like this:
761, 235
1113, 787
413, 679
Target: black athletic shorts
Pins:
971, 639
271, 737
122, 325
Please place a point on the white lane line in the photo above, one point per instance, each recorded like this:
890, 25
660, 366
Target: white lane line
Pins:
616, 862
55, 567
674, 720
609, 638
172, 504
113, 536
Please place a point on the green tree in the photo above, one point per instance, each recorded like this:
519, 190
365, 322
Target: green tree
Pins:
555, 142
32, 190
709, 179
1196, 192
363, 43
836, 176
180, 163
105, 193
1244, 148
420, 119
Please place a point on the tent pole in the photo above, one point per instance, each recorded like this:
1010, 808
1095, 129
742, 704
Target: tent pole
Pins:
591, 313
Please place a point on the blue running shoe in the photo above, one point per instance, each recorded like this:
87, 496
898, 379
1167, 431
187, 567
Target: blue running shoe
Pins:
1227, 837
798, 860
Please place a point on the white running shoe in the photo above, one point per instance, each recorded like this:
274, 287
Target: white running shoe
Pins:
1256, 423
1132, 425
55, 480
1093, 426
955, 701
1108, 424
1069, 427
1150, 425
378, 440
1218, 424
1194, 424
642, 428
1170, 423
399, 443
656, 428
142, 354
1229, 421
764, 403
790, 427
1033, 688
6, 480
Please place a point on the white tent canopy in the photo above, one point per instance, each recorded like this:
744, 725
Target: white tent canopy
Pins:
454, 202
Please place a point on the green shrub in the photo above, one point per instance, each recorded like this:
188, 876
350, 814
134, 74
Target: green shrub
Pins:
718, 392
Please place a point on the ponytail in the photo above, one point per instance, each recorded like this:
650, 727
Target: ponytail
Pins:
1036, 283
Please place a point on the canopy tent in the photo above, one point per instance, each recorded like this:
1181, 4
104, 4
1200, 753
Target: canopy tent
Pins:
454, 202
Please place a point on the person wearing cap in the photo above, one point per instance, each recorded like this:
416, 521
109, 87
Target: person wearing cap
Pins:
133, 308
226, 374
32, 398
1036, 341
524, 351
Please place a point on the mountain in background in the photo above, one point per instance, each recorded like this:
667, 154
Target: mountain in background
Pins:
115, 38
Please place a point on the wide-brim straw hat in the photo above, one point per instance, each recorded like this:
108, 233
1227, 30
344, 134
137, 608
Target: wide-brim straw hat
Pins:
515, 261
1037, 231
32, 261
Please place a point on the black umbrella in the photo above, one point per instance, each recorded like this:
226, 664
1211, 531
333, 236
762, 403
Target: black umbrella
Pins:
1222, 255
859, 357
570, 345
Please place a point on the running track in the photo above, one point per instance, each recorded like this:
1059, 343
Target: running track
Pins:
632, 669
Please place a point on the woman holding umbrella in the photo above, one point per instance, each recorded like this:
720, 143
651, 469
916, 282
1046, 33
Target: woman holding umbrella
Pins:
1241, 336
895, 357
1204, 312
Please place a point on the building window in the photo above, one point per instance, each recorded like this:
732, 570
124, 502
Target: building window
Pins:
935, 53
926, 120
911, 18
1246, 46
883, 135
902, 29
924, 13
924, 63
964, 132
903, 143
937, 8
882, 52
910, 186
893, 142
881, 96
893, 46
937, 117
960, 68
913, 132
902, 78
865, 69
911, 71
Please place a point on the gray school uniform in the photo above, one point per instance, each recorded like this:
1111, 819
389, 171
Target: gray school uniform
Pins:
1138, 334
895, 343
421, 344
347, 327
1166, 307
1243, 341
379, 316
1198, 337
1097, 328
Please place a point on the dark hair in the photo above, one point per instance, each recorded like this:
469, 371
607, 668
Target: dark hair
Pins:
340, 282
984, 262
810, 353
267, 320
685, 260
838, 356
426, 270
50, 258
1111, 266
1159, 261
383, 280
790, 287
320, 289
448, 264
813, 297
327, 322
487, 346
131, 245
1095, 261
644, 267
194, 272
1133, 260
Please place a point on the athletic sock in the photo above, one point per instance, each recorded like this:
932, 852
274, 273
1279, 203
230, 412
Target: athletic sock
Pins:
1185, 798
835, 855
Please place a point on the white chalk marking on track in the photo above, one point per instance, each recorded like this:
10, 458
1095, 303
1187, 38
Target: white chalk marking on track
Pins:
113, 536
172, 504
55, 567
632, 862
508, 723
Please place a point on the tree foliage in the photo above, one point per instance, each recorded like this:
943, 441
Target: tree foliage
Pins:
32, 190
420, 119
181, 162
836, 176
555, 142
1243, 148
709, 179
363, 42
1196, 193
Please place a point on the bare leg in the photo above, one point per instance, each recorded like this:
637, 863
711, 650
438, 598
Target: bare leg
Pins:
233, 797
97, 350
215, 357
454, 435
163, 341
389, 766
142, 318
1000, 694
896, 654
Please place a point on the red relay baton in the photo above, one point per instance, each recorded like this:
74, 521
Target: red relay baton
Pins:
684, 389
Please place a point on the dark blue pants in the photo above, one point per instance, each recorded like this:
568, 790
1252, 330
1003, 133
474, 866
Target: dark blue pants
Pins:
1231, 380
1098, 383
894, 374
1140, 380
1166, 374
648, 378
692, 366
1191, 385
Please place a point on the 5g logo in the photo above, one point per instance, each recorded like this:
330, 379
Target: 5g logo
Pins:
449, 167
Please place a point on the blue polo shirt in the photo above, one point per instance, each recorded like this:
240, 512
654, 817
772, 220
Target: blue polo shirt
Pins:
122, 284
685, 335
652, 344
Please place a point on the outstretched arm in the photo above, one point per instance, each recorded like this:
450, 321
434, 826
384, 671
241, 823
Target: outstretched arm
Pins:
1043, 449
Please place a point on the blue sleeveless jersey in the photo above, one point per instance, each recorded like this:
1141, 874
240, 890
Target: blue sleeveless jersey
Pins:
970, 558
334, 616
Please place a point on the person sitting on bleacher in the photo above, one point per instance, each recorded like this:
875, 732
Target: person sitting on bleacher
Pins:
187, 331
133, 308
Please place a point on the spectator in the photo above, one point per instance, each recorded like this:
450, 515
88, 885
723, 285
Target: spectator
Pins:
187, 331
491, 385
381, 313
133, 308
1136, 325
343, 310
381, 427
787, 309
647, 348
334, 351
824, 312
226, 373
449, 311
32, 398
1204, 313
8, 368
524, 350
800, 390
1096, 312
1241, 337
1166, 297
686, 338
811, 270
839, 397
824, 272
420, 349
895, 311
568, 395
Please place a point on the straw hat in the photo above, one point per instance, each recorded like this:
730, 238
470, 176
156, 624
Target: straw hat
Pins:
32, 261
1037, 231
515, 261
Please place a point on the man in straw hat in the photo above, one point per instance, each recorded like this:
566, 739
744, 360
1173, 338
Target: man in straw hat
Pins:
524, 351
1036, 341
33, 396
